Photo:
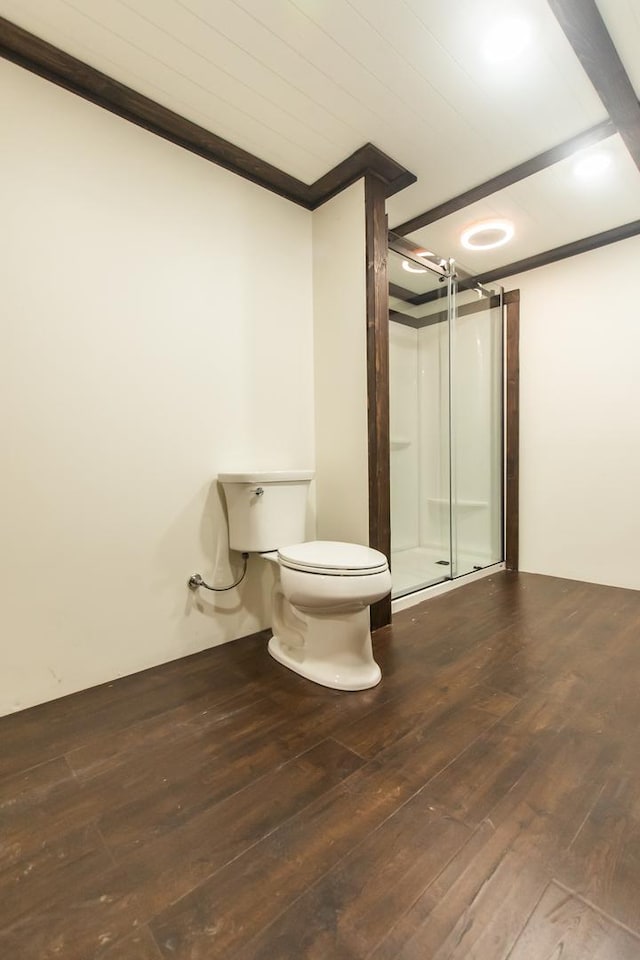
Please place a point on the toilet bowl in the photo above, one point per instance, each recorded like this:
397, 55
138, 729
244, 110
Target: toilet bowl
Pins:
320, 620
322, 589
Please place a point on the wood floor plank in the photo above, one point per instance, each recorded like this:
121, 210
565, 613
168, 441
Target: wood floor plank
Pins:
51, 729
478, 905
92, 914
544, 640
475, 908
393, 719
145, 783
138, 946
39, 880
484, 774
221, 915
164, 732
603, 860
564, 926
350, 910
27, 800
222, 806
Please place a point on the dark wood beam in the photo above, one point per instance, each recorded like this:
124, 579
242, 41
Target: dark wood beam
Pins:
65, 71
512, 429
561, 253
543, 160
441, 316
402, 293
53, 64
396, 316
585, 30
378, 380
367, 160
431, 296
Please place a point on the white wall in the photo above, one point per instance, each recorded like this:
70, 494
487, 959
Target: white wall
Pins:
580, 417
157, 329
340, 352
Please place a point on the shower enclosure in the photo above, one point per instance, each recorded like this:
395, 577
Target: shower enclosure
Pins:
446, 420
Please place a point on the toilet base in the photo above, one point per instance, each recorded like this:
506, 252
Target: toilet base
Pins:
336, 651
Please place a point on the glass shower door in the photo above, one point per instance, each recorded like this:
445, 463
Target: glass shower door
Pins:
419, 344
446, 415
476, 426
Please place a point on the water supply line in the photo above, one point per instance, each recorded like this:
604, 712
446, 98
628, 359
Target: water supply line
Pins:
196, 580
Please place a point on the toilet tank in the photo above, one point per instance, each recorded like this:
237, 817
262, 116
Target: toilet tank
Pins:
266, 510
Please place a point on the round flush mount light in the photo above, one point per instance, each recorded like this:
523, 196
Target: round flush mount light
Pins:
487, 235
592, 166
507, 40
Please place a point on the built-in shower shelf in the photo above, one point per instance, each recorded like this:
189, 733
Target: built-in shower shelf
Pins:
399, 443
468, 504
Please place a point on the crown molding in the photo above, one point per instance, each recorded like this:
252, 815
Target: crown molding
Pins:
47, 61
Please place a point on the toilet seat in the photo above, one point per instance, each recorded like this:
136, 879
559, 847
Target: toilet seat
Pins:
333, 558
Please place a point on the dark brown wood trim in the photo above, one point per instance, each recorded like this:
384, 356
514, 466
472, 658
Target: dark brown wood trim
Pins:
397, 317
378, 381
572, 249
585, 30
367, 160
512, 428
441, 316
402, 293
53, 64
523, 170
417, 299
417, 253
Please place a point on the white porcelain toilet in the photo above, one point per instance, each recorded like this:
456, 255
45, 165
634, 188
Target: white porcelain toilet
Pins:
323, 588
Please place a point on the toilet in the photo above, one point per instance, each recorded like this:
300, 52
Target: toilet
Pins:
322, 589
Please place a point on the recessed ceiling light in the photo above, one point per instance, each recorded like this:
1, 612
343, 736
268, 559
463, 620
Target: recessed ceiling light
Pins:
407, 266
487, 235
592, 166
507, 40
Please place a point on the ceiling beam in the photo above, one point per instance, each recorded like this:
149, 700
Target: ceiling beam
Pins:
53, 64
561, 253
585, 30
523, 170
441, 316
623, 232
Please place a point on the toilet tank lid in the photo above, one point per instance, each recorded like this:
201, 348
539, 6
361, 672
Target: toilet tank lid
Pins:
266, 476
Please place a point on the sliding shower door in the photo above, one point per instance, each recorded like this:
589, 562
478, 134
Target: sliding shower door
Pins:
420, 387
476, 438
445, 366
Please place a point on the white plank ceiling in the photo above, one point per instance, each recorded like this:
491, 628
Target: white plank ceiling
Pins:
304, 83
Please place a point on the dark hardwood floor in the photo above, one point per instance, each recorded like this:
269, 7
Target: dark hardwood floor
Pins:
482, 803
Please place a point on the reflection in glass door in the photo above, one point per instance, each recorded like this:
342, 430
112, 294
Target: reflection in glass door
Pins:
445, 363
